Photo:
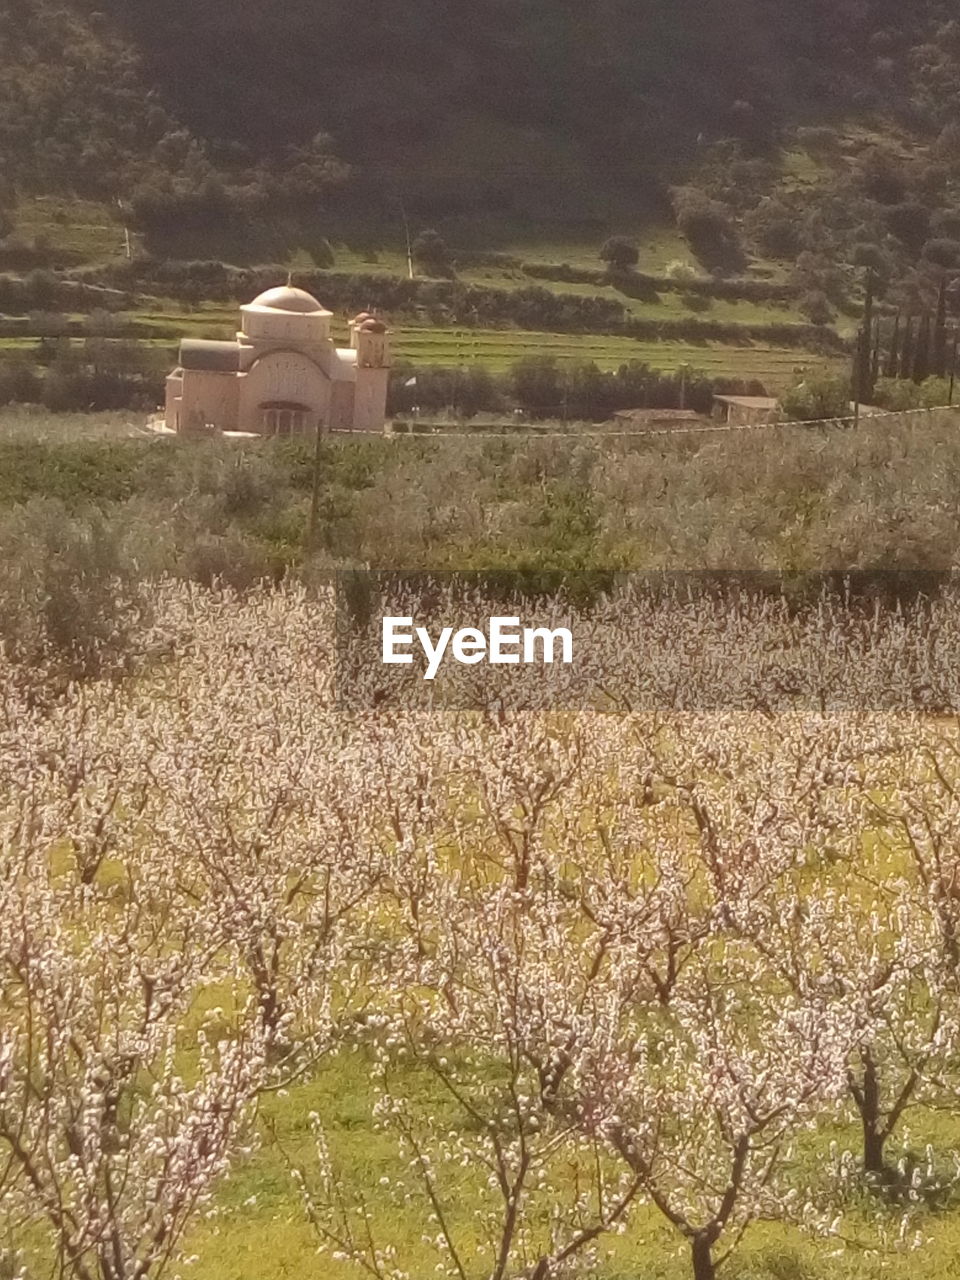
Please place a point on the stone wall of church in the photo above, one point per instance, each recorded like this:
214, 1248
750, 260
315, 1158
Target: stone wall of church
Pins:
341, 406
370, 406
284, 377
212, 397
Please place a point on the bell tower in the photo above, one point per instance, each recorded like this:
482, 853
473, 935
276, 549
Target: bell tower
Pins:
370, 338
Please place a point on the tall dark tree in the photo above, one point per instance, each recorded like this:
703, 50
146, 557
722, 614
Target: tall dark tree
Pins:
939, 346
876, 359
921, 355
891, 368
907, 350
865, 382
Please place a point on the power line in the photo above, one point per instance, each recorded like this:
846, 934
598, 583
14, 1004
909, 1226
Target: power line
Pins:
509, 433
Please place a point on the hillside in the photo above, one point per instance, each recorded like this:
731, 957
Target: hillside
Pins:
758, 155
491, 107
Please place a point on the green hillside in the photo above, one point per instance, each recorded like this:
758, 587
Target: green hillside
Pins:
758, 156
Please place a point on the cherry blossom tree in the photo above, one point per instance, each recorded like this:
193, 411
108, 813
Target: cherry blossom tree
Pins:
105, 1145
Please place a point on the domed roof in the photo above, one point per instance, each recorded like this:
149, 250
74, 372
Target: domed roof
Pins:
287, 298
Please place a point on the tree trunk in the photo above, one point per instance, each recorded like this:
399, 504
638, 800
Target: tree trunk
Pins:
873, 1150
702, 1255
867, 1099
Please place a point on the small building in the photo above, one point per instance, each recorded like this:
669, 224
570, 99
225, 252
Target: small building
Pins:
745, 411
282, 375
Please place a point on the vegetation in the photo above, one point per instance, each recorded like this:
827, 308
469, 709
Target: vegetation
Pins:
818, 398
797, 498
619, 253
290, 967
487, 993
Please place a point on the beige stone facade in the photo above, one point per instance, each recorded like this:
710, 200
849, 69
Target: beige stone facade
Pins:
745, 411
282, 375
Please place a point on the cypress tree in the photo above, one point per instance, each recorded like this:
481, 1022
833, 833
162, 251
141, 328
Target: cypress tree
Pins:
891, 366
921, 358
875, 363
906, 351
865, 381
939, 354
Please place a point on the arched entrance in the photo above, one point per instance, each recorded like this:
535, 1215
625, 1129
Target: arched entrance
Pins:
285, 418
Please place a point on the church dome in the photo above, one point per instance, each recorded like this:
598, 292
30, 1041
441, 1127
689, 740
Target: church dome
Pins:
287, 298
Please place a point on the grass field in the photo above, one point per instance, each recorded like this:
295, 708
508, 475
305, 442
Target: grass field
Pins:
777, 367
83, 227
260, 1233
498, 349
95, 232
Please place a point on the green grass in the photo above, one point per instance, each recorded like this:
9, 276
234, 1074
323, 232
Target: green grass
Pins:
499, 348
269, 1239
658, 246
81, 227
94, 231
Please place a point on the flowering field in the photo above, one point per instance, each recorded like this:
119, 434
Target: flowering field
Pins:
487, 994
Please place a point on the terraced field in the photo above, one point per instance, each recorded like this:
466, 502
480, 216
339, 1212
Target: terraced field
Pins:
96, 233
777, 367
498, 349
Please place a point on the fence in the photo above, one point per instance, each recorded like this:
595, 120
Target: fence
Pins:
447, 430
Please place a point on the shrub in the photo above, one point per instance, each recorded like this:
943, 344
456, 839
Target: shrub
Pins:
430, 252
774, 229
619, 253
946, 223
866, 253
881, 174
897, 394
900, 394
948, 143
909, 221
681, 270
321, 251
942, 252
819, 140
229, 560
20, 382
71, 599
817, 398
816, 307
709, 229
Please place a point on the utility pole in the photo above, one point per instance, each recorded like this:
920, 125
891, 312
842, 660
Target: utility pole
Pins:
406, 232
126, 230
311, 540
857, 375
953, 363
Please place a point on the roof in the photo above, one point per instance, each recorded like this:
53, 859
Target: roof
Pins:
749, 402
217, 357
661, 415
287, 298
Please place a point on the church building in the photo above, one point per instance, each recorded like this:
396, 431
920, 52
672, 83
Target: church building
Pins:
283, 375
